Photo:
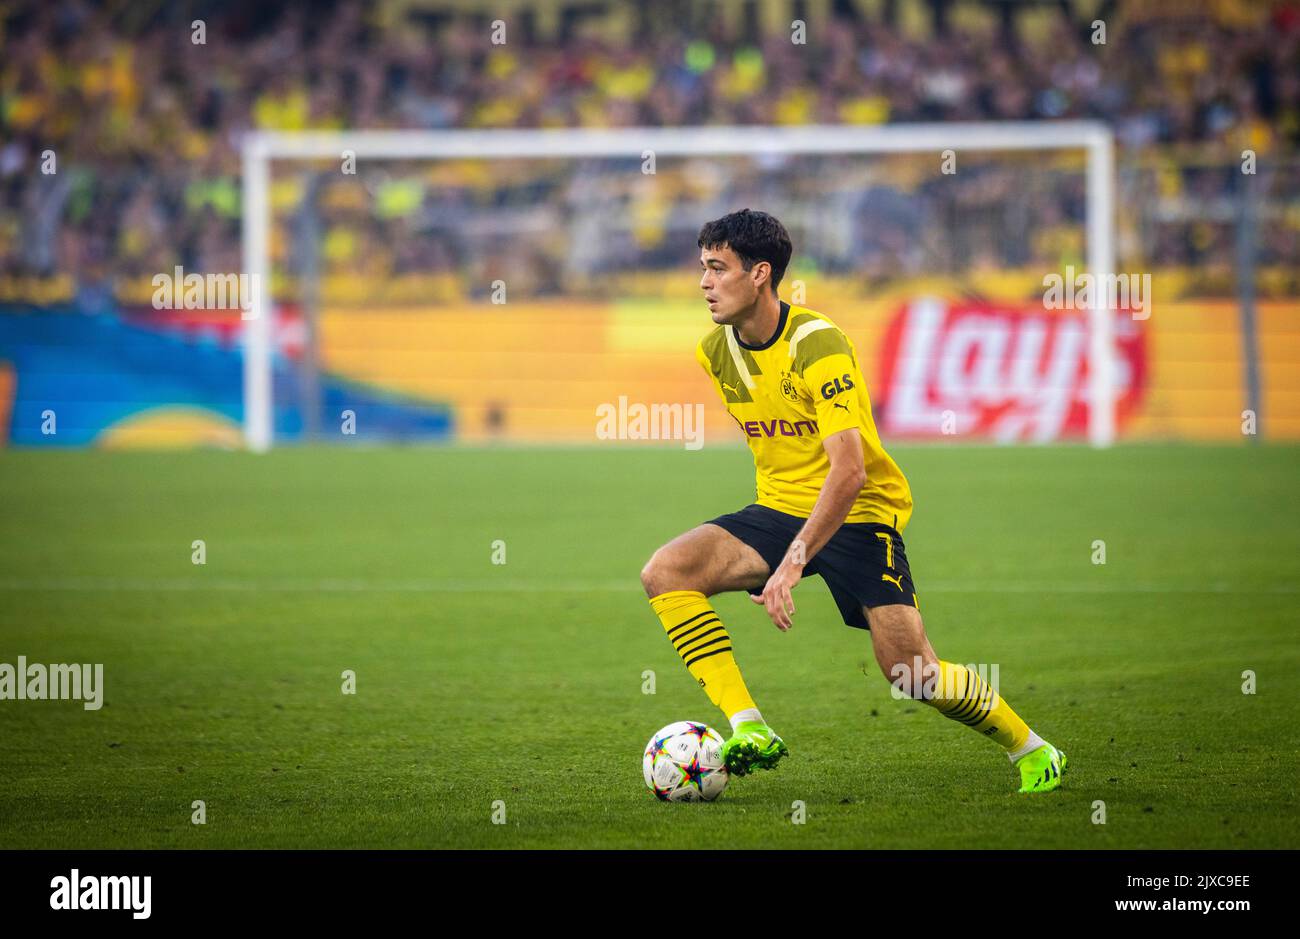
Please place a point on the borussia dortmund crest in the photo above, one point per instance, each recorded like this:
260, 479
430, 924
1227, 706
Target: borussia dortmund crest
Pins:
787, 387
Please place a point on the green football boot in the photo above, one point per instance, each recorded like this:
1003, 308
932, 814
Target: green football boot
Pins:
754, 745
1041, 769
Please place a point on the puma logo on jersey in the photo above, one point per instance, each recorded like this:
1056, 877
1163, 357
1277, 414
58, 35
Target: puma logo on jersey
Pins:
730, 388
896, 581
839, 404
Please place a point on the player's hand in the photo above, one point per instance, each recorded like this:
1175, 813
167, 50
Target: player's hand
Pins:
776, 594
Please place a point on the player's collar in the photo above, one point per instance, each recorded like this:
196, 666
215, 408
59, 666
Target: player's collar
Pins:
780, 328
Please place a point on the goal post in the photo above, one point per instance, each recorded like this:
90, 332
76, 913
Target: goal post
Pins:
261, 148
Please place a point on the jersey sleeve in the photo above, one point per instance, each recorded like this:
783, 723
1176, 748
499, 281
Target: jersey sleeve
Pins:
835, 393
702, 358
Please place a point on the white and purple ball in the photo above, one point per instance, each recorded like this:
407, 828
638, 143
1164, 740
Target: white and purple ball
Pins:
683, 763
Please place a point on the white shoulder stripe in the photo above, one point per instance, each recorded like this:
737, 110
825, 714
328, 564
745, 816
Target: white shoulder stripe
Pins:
804, 330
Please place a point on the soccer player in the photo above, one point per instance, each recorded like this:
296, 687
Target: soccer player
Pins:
831, 502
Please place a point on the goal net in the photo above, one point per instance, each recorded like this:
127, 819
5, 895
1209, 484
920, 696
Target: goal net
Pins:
515, 285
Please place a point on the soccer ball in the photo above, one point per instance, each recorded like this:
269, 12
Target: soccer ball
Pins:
683, 763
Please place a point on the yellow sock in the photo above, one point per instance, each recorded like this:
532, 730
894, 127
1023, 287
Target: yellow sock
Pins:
701, 640
963, 696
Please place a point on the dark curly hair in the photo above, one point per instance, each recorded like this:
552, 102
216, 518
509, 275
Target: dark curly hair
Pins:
754, 236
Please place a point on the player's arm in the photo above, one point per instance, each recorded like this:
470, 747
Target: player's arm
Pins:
844, 481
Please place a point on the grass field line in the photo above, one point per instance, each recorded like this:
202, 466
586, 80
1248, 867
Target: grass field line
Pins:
507, 585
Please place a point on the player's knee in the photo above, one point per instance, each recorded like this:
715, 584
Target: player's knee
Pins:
661, 574
654, 575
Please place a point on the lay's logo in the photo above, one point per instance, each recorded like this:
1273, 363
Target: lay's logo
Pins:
1005, 371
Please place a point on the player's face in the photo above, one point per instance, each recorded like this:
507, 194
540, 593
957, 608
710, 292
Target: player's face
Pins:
728, 288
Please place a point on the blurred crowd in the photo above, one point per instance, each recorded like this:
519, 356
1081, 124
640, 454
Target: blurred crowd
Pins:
145, 122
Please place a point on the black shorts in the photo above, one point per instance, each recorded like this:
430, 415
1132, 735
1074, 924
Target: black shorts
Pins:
864, 563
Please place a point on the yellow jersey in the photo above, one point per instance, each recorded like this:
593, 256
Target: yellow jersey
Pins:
788, 395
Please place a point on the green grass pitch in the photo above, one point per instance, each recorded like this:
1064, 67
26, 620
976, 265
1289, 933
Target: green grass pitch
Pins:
523, 682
